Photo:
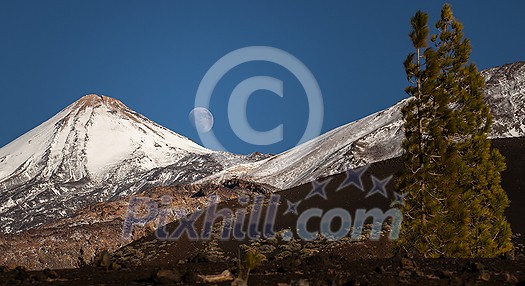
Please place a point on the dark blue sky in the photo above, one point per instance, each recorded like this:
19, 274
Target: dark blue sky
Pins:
152, 56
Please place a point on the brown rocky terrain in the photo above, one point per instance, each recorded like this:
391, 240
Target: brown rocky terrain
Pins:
73, 242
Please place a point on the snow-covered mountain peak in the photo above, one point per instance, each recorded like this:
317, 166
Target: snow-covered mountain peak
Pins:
87, 139
96, 147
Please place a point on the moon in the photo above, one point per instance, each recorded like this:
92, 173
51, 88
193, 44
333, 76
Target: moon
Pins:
201, 118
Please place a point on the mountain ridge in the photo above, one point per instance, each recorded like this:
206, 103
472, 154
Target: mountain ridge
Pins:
378, 137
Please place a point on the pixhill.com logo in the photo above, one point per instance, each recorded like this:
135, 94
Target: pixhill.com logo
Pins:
256, 217
259, 216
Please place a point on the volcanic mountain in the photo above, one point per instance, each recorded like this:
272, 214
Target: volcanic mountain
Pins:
96, 149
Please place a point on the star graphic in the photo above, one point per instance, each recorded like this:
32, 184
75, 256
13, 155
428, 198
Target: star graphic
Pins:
353, 177
318, 189
287, 235
379, 186
243, 199
214, 199
292, 207
399, 199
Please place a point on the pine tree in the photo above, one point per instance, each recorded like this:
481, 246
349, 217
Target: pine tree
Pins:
479, 166
424, 226
455, 203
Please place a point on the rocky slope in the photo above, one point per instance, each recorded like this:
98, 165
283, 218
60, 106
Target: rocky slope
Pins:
378, 137
74, 241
